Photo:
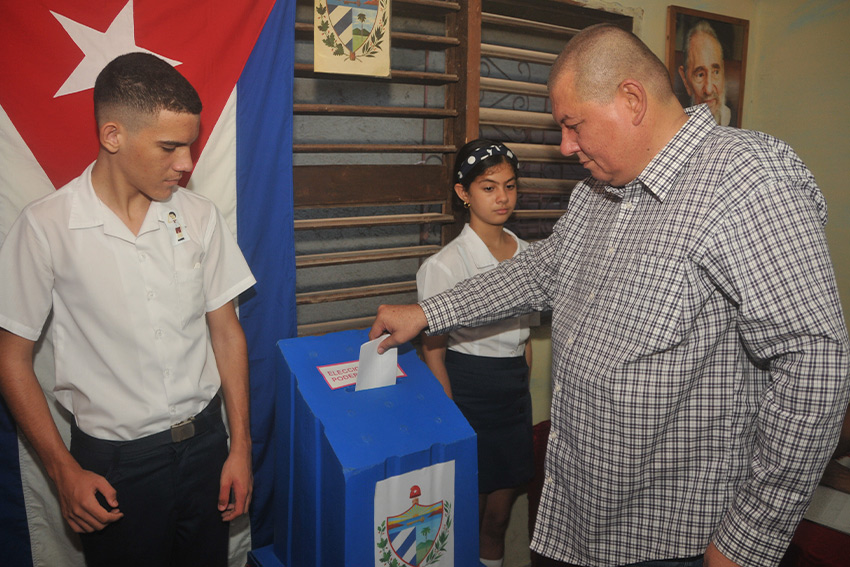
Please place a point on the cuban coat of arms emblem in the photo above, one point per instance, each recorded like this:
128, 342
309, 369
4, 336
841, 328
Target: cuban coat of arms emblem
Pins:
352, 37
420, 532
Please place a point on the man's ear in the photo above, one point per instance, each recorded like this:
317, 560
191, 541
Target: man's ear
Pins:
634, 97
111, 134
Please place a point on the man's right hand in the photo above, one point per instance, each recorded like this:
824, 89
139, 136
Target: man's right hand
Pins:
402, 322
78, 489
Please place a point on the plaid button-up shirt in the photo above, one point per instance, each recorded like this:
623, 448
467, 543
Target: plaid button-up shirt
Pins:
700, 357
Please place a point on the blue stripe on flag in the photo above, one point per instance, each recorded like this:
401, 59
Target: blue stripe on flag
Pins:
265, 233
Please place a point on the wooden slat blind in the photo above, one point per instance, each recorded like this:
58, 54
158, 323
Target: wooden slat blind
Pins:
337, 258
392, 179
306, 71
376, 220
373, 155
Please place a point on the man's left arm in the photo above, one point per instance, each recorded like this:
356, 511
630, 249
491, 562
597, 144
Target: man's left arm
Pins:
231, 356
790, 320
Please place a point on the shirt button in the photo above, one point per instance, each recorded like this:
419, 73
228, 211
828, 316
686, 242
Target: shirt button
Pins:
610, 250
172, 410
549, 480
557, 388
570, 340
142, 256
158, 333
151, 294
553, 435
591, 296
167, 372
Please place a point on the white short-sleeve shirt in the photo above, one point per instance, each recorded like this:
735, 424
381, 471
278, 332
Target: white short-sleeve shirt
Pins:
131, 346
462, 258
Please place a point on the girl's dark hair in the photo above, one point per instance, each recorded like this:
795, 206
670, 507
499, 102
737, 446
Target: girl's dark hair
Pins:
483, 154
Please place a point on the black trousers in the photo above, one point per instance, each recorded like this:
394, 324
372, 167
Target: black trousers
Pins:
168, 493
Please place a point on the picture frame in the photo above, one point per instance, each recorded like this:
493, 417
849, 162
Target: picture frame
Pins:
711, 78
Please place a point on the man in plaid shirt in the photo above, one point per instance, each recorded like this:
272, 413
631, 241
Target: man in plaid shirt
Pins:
700, 356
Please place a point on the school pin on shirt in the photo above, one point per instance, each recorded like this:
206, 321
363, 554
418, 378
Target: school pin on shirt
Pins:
174, 223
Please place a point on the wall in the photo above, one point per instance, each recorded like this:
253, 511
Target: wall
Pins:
798, 77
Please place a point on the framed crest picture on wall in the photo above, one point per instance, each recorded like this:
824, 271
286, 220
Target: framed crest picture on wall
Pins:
352, 37
707, 60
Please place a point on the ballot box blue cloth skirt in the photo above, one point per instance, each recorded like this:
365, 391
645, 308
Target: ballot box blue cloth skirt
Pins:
386, 476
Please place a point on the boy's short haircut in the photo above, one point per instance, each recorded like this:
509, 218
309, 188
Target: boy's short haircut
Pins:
142, 84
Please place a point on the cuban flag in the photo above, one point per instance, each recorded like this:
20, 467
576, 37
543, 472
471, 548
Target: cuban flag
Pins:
238, 55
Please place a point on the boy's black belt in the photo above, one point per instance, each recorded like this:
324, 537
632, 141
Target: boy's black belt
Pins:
186, 429
196, 425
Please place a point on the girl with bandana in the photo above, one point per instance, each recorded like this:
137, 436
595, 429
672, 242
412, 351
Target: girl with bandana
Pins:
485, 369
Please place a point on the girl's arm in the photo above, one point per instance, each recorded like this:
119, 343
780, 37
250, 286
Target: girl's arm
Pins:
434, 353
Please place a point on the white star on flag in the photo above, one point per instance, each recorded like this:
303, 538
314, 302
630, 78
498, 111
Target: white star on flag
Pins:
100, 48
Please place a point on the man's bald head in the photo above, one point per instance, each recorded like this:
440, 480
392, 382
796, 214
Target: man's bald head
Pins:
601, 57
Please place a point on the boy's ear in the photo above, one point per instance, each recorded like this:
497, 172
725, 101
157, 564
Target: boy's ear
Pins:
111, 134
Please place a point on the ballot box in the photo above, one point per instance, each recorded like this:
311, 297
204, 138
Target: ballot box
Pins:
385, 477
263, 557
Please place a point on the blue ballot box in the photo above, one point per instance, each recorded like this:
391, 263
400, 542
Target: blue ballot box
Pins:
386, 476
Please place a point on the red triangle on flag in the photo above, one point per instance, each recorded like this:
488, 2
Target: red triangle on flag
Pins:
212, 40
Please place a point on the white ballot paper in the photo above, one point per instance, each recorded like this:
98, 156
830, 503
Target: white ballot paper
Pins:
376, 370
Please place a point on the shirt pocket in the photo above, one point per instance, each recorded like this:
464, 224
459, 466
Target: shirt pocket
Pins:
649, 309
190, 292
